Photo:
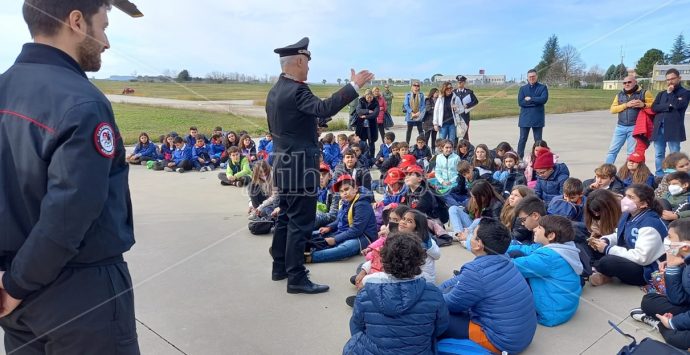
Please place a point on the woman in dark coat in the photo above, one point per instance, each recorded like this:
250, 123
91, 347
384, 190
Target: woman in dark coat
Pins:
367, 112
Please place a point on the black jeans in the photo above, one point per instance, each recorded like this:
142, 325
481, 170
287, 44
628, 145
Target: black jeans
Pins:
625, 270
431, 134
293, 229
524, 133
417, 124
653, 304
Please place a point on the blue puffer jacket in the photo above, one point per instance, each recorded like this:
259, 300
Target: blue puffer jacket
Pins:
678, 292
179, 155
393, 316
146, 150
552, 186
498, 298
553, 273
572, 211
363, 220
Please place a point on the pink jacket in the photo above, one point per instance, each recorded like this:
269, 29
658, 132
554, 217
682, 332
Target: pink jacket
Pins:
375, 254
382, 109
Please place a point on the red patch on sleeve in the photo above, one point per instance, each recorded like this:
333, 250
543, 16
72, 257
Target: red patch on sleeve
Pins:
104, 140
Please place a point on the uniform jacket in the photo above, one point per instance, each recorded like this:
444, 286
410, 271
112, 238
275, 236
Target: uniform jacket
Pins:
678, 293
331, 154
473, 101
180, 155
396, 316
166, 152
292, 111
670, 112
200, 152
424, 153
216, 150
553, 272
532, 112
552, 186
498, 299
266, 145
408, 107
384, 152
146, 150
65, 195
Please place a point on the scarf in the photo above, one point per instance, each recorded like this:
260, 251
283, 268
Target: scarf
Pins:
632, 91
414, 102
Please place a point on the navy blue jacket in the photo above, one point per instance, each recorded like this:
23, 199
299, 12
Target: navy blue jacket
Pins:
363, 225
552, 186
532, 112
670, 112
678, 293
65, 193
395, 316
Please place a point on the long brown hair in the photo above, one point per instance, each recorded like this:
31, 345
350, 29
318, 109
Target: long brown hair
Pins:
483, 194
261, 166
639, 176
488, 163
604, 208
508, 211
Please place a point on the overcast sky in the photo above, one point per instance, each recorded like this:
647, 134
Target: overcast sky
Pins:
392, 38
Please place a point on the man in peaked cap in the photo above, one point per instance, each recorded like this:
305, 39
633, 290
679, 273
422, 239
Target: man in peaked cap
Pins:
293, 111
462, 92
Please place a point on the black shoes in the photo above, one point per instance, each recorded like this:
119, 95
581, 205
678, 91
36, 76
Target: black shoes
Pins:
350, 300
277, 276
353, 279
307, 287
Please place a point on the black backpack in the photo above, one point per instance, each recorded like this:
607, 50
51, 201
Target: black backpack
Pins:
261, 225
647, 346
440, 206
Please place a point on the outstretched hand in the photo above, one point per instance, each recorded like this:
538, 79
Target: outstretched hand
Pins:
361, 78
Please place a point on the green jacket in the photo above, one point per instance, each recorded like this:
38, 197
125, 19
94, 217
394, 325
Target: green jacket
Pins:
680, 204
239, 170
388, 96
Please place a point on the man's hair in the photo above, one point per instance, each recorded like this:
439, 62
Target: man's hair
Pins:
673, 71
402, 255
682, 228
681, 176
532, 71
606, 170
529, 205
233, 149
390, 136
403, 145
560, 226
178, 139
494, 235
45, 17
572, 187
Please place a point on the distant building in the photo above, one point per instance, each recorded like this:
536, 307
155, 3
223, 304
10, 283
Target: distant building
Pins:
613, 85
475, 79
122, 78
659, 74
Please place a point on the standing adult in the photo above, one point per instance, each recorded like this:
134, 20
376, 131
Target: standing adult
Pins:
428, 120
367, 114
446, 113
669, 122
532, 97
292, 111
414, 110
388, 96
383, 109
627, 104
66, 209
468, 100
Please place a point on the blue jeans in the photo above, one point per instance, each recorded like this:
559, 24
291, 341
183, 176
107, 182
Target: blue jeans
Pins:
453, 199
621, 134
449, 131
660, 149
340, 251
459, 219
524, 133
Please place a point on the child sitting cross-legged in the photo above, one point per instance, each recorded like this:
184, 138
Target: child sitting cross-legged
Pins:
238, 172
397, 311
489, 301
552, 267
571, 203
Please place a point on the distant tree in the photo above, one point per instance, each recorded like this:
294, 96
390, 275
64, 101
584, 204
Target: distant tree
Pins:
427, 81
339, 81
570, 63
621, 72
549, 59
433, 77
610, 72
184, 76
594, 75
390, 81
646, 63
323, 81
679, 52
347, 81
216, 77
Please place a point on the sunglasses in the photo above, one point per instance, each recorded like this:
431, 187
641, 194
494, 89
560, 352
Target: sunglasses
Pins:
627, 82
417, 85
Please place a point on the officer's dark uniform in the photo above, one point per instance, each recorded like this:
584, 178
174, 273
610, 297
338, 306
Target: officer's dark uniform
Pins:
65, 211
473, 102
292, 111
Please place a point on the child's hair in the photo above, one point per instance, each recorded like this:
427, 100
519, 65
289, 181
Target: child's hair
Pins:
440, 142
529, 205
421, 227
464, 167
402, 255
606, 171
178, 140
681, 176
639, 176
227, 142
420, 139
432, 92
200, 137
403, 145
193, 128
395, 145
573, 187
233, 149
218, 128
351, 138
494, 235
260, 167
401, 210
143, 134
445, 143
161, 138
342, 137
216, 137
673, 159
682, 228
646, 194
483, 193
537, 143
508, 211
560, 226
463, 143
605, 207
390, 136
242, 132
509, 154
328, 138
241, 142
349, 151
488, 163
503, 146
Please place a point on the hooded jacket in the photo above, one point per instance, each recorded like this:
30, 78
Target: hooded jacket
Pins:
358, 222
396, 316
552, 186
553, 272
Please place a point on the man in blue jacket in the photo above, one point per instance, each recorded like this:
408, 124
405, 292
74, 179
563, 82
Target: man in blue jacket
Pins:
532, 97
669, 122
65, 206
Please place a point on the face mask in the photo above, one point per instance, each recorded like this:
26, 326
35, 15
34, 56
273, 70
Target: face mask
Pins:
628, 205
672, 248
675, 190
392, 227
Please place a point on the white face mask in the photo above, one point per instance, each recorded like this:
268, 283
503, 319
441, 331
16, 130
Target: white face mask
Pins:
675, 190
671, 247
628, 205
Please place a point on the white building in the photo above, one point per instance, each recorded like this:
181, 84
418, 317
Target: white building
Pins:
475, 80
659, 74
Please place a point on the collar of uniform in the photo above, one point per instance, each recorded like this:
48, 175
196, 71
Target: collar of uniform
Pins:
44, 54
288, 76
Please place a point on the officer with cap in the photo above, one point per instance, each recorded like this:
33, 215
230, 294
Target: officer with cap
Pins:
462, 92
293, 111
65, 207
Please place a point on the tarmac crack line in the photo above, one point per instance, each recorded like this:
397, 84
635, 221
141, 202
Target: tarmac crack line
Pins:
602, 336
160, 336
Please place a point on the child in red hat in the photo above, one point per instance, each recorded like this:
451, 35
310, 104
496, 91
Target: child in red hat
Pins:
635, 171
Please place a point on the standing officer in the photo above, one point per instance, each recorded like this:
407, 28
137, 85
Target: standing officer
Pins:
65, 208
292, 111
468, 99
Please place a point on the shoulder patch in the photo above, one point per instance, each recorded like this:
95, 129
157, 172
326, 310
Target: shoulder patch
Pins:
104, 139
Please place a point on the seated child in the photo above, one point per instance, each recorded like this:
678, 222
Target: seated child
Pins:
678, 198
248, 148
216, 149
552, 267
237, 172
191, 138
355, 141
392, 161
181, 157
265, 150
489, 301
397, 311
403, 148
673, 162
331, 151
421, 152
395, 187
465, 150
550, 176
605, 178
326, 209
571, 204
386, 149
673, 309
465, 179
528, 212
446, 173
343, 143
262, 195
145, 150
415, 222
352, 231
201, 159
635, 171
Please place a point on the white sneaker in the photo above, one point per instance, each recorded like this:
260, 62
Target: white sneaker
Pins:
179, 170
638, 315
168, 169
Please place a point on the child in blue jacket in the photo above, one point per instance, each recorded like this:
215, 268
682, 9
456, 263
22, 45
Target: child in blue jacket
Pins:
181, 157
571, 204
550, 176
552, 267
331, 151
266, 148
489, 301
201, 159
216, 149
145, 150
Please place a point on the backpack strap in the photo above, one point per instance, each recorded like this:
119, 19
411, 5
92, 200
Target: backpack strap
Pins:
632, 338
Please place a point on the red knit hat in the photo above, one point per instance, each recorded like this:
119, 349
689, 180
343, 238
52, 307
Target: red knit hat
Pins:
636, 157
544, 160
